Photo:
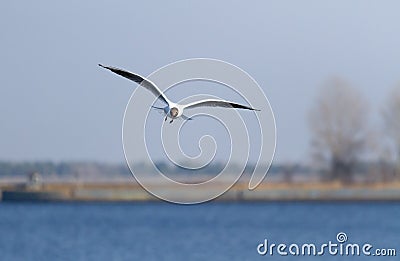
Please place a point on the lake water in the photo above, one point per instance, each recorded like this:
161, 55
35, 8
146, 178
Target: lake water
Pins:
212, 231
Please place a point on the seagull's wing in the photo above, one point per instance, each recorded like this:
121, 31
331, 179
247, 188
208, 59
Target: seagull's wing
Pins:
217, 103
186, 118
140, 80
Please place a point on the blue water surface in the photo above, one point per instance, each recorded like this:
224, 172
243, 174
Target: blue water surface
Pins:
211, 231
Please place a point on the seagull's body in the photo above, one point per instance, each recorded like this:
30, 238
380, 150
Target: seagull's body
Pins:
174, 110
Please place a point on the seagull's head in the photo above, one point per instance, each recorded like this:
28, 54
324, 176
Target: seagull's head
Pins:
173, 112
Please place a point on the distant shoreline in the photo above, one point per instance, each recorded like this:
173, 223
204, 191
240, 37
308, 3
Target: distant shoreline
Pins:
269, 192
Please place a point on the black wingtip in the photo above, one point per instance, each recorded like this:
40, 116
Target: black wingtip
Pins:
240, 106
101, 65
251, 108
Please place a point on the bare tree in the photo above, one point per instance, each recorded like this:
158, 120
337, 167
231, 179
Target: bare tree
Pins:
288, 172
391, 117
338, 124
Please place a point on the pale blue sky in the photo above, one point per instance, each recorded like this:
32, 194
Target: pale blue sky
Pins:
57, 104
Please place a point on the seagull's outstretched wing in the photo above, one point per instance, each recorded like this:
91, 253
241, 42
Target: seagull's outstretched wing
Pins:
217, 103
140, 80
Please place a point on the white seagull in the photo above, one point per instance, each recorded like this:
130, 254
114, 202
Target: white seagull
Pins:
174, 110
